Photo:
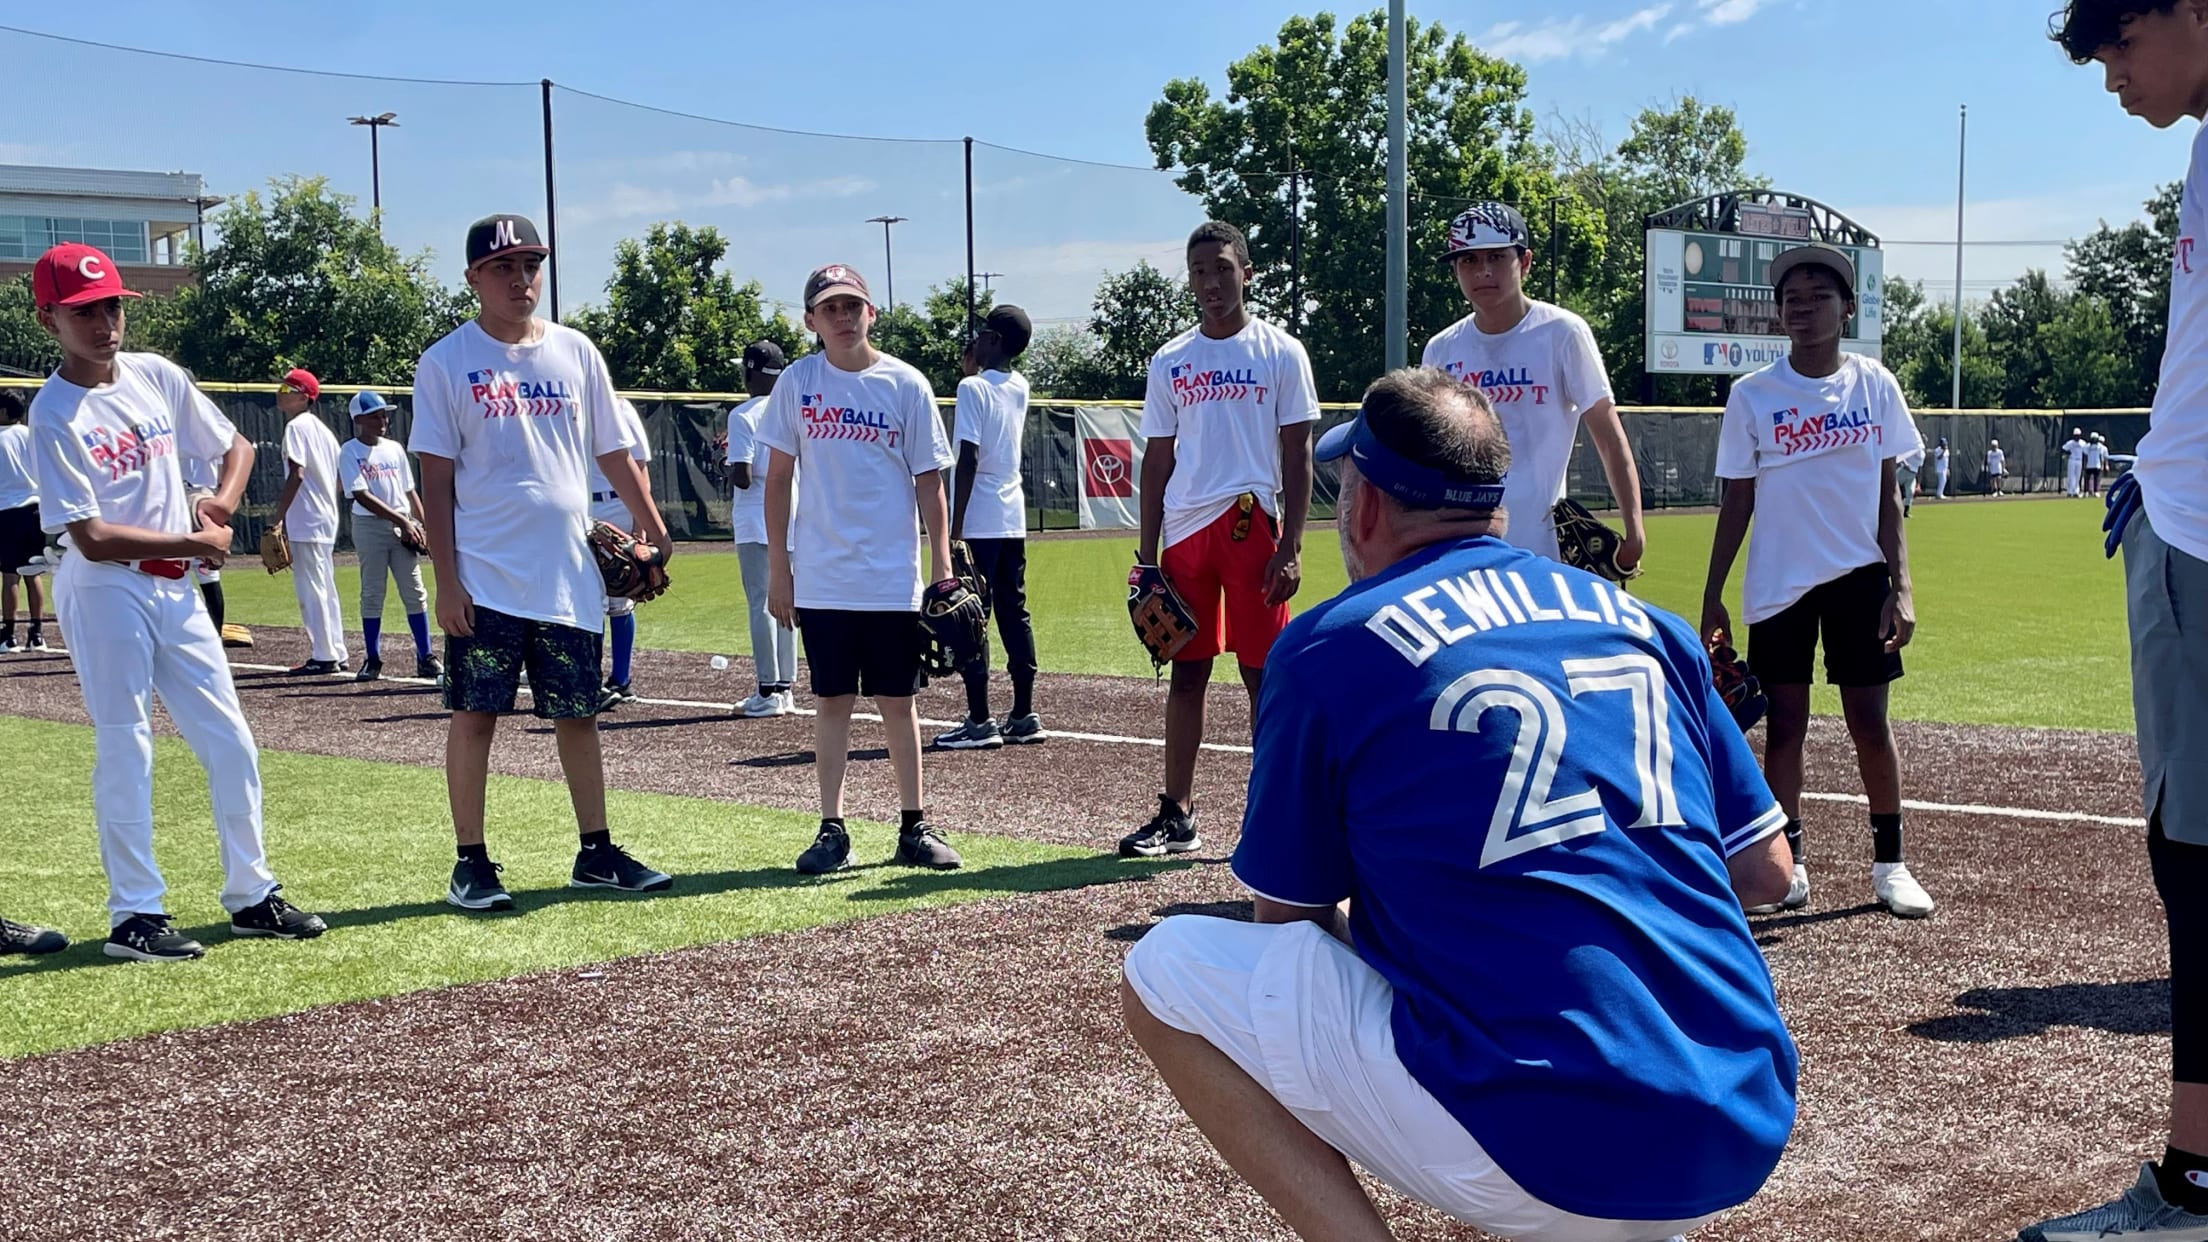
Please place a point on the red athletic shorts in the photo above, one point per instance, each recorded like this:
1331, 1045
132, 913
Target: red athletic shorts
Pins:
1222, 579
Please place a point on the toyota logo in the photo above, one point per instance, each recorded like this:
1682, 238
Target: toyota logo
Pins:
1108, 469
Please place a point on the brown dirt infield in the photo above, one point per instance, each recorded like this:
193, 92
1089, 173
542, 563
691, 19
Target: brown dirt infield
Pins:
962, 1073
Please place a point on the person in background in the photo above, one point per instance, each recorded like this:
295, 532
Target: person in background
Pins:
773, 644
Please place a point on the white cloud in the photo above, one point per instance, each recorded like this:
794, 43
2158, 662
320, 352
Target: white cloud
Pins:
1559, 38
1715, 13
628, 201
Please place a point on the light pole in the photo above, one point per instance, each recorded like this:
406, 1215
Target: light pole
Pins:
375, 159
889, 269
985, 278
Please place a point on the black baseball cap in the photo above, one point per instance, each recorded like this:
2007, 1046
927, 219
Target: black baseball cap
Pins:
493, 236
764, 358
1012, 327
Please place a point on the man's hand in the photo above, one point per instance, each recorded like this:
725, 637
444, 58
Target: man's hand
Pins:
213, 539
1898, 622
455, 609
782, 595
1716, 620
1283, 575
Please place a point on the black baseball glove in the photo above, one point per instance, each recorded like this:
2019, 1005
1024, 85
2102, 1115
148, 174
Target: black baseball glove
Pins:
954, 627
1584, 542
1736, 684
632, 570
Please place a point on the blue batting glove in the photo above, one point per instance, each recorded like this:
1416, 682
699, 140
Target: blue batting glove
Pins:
2123, 505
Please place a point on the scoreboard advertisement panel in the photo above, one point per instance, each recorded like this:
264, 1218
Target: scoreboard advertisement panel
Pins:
1711, 308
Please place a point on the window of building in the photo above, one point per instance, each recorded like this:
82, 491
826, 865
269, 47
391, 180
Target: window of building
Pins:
27, 237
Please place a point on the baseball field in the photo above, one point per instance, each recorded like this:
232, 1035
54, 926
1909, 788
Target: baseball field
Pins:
886, 1053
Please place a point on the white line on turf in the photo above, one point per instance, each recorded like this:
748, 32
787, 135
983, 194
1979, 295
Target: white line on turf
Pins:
1116, 739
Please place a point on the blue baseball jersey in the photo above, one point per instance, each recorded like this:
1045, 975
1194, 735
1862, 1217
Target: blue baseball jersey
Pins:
1529, 797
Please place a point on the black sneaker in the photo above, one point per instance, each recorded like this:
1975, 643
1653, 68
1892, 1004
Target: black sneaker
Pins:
923, 846
830, 851
1170, 831
1024, 730
37, 643
429, 668
149, 938
370, 671
318, 668
609, 866
278, 918
972, 735
475, 886
614, 694
23, 938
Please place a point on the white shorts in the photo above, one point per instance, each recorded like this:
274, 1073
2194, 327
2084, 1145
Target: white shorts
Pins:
1302, 1014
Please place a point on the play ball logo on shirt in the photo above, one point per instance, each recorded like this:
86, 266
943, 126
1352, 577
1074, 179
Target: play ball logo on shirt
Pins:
127, 452
501, 394
842, 422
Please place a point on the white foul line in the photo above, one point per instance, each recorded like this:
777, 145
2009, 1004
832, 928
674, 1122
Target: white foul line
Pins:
1116, 739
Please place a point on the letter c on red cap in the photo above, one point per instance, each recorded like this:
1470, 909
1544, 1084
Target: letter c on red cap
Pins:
89, 268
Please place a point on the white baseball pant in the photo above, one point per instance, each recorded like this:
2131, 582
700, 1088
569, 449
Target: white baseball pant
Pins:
1302, 1014
2072, 474
132, 635
613, 512
314, 581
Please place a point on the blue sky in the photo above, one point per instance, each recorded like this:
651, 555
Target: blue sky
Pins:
1853, 104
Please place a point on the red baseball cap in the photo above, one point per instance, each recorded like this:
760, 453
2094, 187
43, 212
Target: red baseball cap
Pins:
73, 273
303, 380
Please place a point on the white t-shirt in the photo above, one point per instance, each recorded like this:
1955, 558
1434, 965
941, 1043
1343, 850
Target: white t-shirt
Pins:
860, 438
1224, 403
381, 470
640, 449
992, 416
1996, 460
17, 487
1814, 448
1939, 457
312, 517
115, 452
521, 424
1540, 376
2096, 456
1912, 460
747, 507
2173, 456
2077, 451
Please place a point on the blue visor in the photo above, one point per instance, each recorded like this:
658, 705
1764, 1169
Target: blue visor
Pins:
1420, 487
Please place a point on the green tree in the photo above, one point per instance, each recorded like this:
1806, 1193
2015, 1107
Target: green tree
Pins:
1063, 362
932, 335
24, 346
1929, 377
674, 320
2128, 269
1315, 100
298, 279
1132, 315
2013, 320
2088, 365
1909, 337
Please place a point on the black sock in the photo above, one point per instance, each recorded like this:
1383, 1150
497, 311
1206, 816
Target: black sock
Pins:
1886, 837
478, 852
1023, 698
909, 820
1793, 834
7, 629
2183, 1177
598, 840
212, 591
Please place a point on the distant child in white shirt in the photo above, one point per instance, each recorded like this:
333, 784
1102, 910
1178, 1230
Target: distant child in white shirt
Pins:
773, 644
1809, 448
1997, 467
306, 511
387, 531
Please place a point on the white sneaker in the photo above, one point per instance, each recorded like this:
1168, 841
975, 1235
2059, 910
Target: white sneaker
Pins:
789, 703
1797, 894
759, 706
1899, 891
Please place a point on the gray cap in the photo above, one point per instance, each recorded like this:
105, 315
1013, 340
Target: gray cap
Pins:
1815, 254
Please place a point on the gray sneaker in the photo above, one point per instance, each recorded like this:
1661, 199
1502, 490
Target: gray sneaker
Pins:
2142, 1213
1024, 730
973, 735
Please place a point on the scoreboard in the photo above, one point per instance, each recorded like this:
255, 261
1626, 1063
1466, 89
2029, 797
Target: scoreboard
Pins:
1711, 308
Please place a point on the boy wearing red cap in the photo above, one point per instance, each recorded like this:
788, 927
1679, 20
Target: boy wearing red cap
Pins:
306, 511
109, 430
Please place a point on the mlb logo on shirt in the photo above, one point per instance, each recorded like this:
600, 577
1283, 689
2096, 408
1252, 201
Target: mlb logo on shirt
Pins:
1455, 368
1782, 417
482, 377
1179, 369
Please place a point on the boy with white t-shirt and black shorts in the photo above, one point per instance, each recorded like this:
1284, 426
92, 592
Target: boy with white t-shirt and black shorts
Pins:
306, 512
990, 514
844, 557
387, 530
1809, 447
21, 541
509, 410
1538, 365
1226, 486
108, 430
773, 644
606, 505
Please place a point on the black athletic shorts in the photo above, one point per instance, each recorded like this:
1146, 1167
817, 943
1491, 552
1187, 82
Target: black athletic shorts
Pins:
1783, 649
876, 654
21, 541
483, 672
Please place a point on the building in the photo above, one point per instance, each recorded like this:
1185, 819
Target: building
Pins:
141, 219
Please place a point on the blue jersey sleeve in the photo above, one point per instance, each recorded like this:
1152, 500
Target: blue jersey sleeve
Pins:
1294, 849
1746, 810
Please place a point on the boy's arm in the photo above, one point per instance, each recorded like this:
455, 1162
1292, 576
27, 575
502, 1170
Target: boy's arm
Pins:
635, 491
367, 500
969, 461
230, 480
1607, 431
455, 607
1285, 573
927, 492
781, 584
1899, 622
1738, 506
1157, 469
294, 476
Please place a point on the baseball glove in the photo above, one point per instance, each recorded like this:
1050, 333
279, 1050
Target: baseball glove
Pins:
1736, 684
192, 497
1162, 618
962, 568
954, 624
275, 549
632, 569
411, 537
1584, 542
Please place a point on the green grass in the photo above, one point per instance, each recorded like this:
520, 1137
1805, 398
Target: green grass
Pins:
2020, 620
368, 846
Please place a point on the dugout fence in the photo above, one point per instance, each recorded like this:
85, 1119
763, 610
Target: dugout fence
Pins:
1674, 448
